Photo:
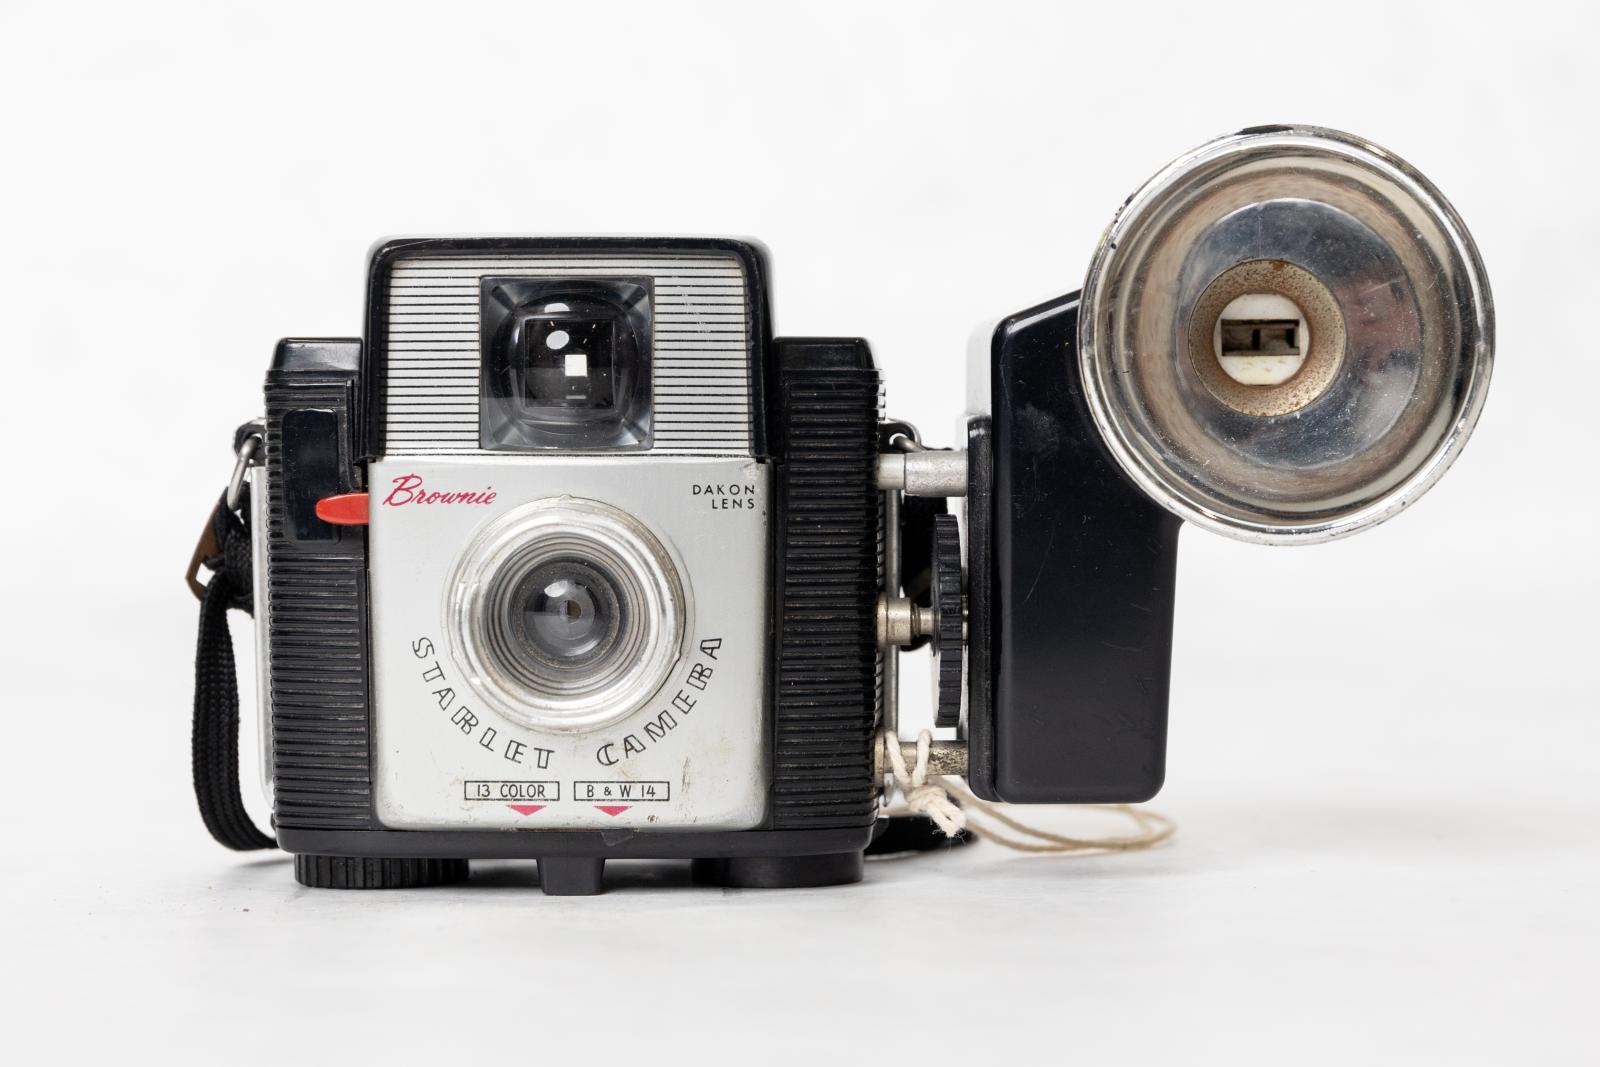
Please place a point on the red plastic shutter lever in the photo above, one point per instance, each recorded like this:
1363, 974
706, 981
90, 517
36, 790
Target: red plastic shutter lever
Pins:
346, 509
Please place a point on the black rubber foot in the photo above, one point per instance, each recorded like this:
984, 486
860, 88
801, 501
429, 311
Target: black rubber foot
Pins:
779, 872
357, 872
571, 876
898, 834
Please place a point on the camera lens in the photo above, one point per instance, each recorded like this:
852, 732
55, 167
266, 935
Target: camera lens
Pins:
568, 613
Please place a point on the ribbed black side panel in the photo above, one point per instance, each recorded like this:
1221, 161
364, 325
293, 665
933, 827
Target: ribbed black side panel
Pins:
316, 614
349, 872
826, 654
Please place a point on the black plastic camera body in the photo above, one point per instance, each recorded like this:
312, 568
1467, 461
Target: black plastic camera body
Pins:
814, 422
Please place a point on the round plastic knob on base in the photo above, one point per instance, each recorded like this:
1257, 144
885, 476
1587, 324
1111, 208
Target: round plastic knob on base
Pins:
572, 876
362, 872
779, 872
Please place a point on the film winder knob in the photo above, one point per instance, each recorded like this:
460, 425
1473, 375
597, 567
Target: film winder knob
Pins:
949, 620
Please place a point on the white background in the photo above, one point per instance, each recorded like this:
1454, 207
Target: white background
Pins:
1383, 750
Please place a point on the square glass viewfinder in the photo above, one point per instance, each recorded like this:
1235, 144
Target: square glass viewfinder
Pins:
566, 364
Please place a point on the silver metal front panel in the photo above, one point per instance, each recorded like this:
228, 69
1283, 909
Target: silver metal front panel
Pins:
692, 757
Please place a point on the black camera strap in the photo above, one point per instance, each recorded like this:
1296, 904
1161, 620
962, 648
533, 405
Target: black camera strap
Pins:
224, 550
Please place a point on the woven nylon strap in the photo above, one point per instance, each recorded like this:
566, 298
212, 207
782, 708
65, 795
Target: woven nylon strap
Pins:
215, 742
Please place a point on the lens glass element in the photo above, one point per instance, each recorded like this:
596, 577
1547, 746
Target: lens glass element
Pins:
568, 614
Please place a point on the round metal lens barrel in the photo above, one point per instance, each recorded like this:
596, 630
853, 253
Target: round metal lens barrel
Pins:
568, 614
1286, 335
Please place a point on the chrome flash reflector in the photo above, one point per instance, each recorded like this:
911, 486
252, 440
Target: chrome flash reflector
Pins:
1286, 335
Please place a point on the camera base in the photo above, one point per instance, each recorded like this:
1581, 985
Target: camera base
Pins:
363, 872
579, 876
572, 876
779, 872
583, 876
573, 863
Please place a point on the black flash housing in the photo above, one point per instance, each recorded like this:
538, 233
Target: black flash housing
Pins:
1071, 572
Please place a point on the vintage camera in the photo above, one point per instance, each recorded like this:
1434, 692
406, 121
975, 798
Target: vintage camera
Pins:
571, 559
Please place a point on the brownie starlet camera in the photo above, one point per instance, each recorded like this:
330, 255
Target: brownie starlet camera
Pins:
569, 558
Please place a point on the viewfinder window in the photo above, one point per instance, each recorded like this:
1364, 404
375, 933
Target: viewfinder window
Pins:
568, 354
566, 364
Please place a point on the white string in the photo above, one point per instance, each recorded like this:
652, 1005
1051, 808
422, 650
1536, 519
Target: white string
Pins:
923, 797
938, 801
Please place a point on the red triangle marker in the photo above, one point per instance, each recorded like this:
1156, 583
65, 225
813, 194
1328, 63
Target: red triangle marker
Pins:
525, 809
613, 809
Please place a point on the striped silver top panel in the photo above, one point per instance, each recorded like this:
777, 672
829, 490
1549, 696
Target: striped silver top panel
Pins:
700, 350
